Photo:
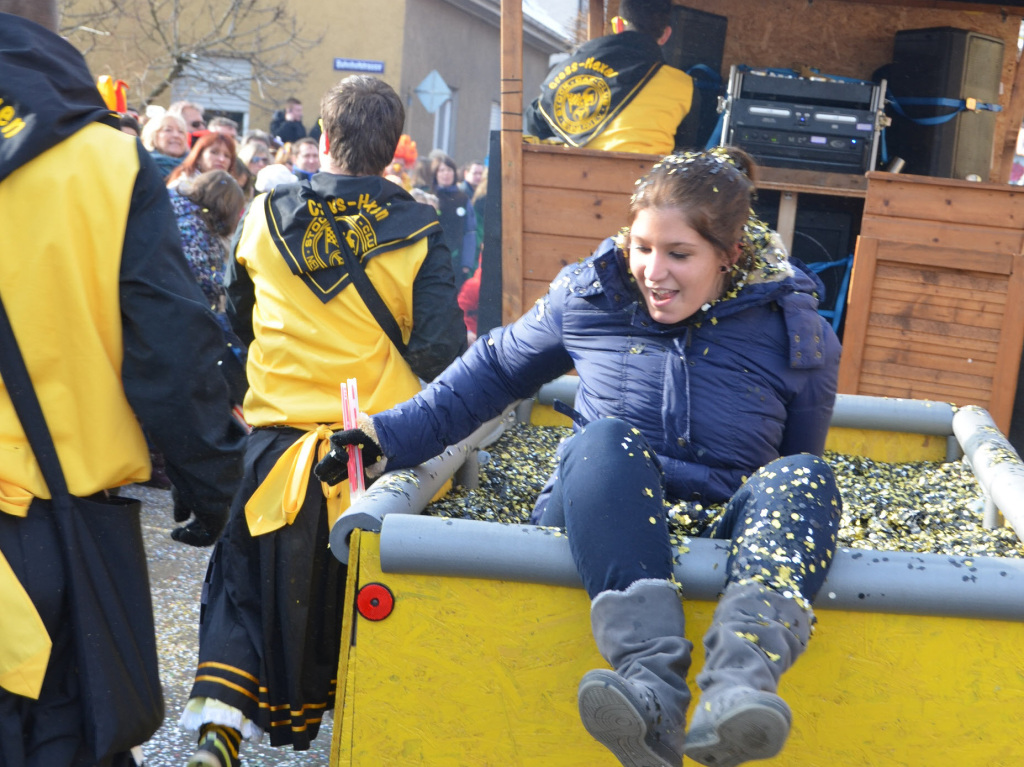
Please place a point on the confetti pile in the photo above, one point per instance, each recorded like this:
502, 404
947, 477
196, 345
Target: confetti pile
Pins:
925, 507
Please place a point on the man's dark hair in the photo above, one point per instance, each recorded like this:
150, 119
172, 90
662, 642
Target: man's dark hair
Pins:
363, 119
292, 101
222, 122
647, 16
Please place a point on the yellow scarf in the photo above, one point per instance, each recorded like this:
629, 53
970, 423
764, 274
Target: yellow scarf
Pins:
279, 497
24, 642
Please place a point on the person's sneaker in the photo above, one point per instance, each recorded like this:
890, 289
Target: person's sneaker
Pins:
218, 747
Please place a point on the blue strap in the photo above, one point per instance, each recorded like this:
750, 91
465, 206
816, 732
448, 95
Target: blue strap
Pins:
957, 105
716, 134
705, 77
566, 410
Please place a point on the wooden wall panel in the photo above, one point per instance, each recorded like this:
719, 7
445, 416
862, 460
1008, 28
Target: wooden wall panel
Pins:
573, 213
948, 200
928, 321
572, 200
565, 168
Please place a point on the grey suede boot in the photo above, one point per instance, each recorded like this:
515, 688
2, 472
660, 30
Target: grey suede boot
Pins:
756, 635
638, 711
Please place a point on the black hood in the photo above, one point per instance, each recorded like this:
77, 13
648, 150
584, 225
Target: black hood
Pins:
585, 92
46, 92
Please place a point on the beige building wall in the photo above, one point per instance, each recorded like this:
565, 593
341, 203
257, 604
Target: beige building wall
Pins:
350, 30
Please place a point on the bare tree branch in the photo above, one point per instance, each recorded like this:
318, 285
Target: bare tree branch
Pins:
167, 40
87, 22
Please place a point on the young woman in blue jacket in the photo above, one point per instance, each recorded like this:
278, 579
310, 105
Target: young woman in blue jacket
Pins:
707, 381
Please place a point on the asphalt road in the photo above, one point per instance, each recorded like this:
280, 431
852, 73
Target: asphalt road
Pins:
176, 576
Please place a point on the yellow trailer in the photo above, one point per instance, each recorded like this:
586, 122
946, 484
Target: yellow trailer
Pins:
466, 640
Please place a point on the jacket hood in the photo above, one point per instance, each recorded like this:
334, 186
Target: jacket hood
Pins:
584, 93
46, 92
372, 215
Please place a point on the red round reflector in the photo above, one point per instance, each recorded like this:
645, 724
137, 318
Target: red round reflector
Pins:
375, 601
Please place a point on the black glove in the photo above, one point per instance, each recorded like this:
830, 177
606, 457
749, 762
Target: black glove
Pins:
195, 533
205, 526
333, 468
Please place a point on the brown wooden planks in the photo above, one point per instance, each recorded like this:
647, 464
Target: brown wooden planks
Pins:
937, 304
957, 237
947, 200
592, 215
544, 255
583, 169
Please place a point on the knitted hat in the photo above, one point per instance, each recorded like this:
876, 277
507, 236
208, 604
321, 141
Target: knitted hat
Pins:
273, 175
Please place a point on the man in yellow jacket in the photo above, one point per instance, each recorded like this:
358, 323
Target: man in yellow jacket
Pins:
116, 338
271, 626
616, 93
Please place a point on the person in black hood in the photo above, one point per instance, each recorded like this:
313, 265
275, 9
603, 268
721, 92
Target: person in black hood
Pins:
615, 92
117, 338
286, 124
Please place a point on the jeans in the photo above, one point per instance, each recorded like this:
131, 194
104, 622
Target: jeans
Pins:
608, 496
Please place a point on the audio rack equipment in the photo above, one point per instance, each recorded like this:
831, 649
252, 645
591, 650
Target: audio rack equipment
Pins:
816, 122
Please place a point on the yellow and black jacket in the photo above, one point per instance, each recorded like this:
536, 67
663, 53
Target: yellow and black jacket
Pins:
309, 329
615, 93
113, 328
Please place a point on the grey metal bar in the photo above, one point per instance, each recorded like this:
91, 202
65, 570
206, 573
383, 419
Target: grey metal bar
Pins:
913, 416
995, 463
851, 410
861, 580
408, 491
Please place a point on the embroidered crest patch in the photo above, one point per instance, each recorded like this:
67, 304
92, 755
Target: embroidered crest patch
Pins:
581, 103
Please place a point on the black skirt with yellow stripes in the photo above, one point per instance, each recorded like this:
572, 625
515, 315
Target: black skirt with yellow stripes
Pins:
270, 625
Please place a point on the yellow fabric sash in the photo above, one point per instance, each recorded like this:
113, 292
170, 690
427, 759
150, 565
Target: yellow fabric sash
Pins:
24, 643
279, 497
14, 500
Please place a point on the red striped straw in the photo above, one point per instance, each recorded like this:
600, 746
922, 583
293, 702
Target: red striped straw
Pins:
350, 419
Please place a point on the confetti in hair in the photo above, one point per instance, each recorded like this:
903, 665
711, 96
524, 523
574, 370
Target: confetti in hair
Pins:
763, 256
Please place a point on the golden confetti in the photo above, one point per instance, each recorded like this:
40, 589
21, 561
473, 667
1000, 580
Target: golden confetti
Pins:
918, 507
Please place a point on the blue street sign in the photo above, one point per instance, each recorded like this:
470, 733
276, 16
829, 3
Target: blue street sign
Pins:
360, 65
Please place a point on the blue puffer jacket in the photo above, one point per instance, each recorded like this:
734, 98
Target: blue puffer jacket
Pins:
717, 397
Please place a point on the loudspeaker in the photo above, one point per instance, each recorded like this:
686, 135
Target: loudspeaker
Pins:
698, 37
944, 62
